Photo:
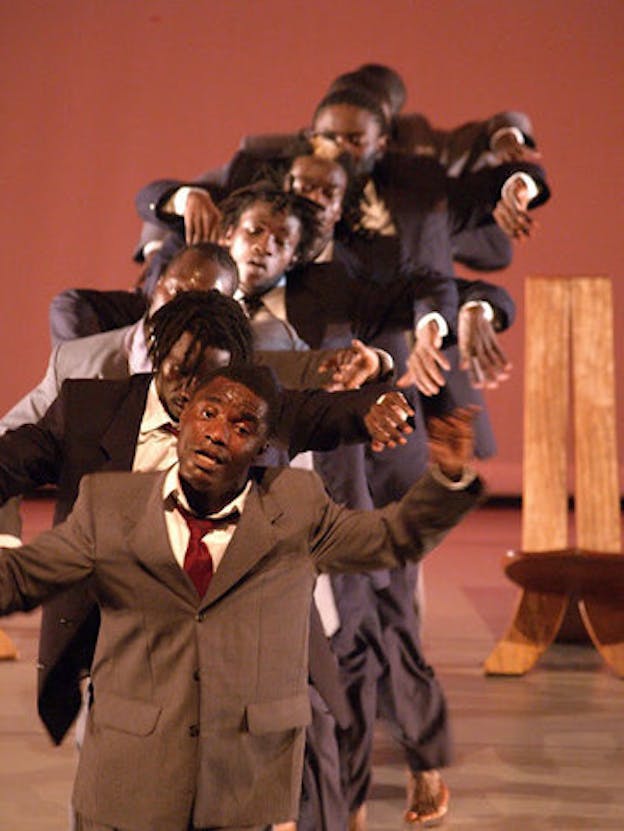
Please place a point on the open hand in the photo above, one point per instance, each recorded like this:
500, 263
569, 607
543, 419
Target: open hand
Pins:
426, 361
386, 421
451, 440
479, 352
351, 367
201, 218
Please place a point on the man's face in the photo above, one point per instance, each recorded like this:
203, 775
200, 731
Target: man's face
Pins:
354, 131
192, 272
263, 244
178, 372
222, 430
323, 182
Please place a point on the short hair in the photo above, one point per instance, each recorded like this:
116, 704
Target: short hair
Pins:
280, 201
354, 97
387, 80
259, 379
352, 195
211, 318
218, 254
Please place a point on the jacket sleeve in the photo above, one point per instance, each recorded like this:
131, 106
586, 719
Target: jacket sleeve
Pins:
152, 198
297, 369
354, 541
473, 196
34, 404
320, 420
31, 455
498, 297
54, 561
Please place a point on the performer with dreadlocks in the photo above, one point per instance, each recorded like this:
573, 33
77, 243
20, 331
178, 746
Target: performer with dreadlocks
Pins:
130, 424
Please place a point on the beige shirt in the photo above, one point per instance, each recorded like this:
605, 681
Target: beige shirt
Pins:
156, 445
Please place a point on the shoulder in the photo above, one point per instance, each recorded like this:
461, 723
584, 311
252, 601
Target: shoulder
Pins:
118, 486
97, 353
289, 482
409, 170
103, 389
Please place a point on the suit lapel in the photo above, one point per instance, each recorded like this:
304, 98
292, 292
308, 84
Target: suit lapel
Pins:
253, 538
146, 531
120, 437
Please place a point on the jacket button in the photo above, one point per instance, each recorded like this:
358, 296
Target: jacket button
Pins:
196, 675
199, 617
194, 730
65, 621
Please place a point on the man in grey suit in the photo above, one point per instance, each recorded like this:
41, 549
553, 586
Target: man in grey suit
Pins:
199, 690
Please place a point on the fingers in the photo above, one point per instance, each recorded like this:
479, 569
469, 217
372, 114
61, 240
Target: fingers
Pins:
451, 439
386, 421
351, 367
201, 218
488, 364
516, 223
424, 369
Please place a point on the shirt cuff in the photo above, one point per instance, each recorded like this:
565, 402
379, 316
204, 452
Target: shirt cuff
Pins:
176, 204
9, 541
386, 364
442, 324
529, 181
468, 477
151, 247
488, 311
504, 131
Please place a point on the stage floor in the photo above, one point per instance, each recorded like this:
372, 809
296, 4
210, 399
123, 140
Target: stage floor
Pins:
540, 752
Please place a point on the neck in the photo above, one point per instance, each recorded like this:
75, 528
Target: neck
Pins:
321, 245
204, 503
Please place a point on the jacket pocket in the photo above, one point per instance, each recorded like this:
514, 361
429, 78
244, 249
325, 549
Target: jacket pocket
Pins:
275, 716
126, 714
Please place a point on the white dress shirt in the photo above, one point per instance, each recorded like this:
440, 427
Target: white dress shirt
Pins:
217, 539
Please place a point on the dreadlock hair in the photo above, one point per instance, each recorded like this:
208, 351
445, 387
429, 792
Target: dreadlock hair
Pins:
218, 254
354, 97
279, 202
211, 319
259, 379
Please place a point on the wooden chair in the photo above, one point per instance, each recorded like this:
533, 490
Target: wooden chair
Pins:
569, 337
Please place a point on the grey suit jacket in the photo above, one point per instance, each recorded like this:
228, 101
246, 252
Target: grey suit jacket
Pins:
98, 356
199, 706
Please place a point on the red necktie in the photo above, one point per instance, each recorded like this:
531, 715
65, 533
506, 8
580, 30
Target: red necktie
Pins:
197, 560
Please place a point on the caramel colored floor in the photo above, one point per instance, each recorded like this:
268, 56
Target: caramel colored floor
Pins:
545, 751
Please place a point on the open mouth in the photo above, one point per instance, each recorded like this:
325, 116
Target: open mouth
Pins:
180, 403
210, 459
257, 264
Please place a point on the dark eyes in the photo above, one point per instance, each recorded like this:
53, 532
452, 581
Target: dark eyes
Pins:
239, 427
258, 230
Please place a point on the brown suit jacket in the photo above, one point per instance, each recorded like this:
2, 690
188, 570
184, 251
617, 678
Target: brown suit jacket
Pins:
199, 706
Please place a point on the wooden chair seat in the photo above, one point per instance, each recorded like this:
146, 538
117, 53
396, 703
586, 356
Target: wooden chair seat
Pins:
573, 572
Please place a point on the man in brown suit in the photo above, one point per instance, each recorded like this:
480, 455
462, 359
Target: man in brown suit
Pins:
200, 673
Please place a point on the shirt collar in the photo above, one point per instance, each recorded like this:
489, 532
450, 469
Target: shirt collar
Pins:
154, 416
239, 294
173, 493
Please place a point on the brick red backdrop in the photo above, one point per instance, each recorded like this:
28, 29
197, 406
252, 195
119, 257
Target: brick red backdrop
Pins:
100, 96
